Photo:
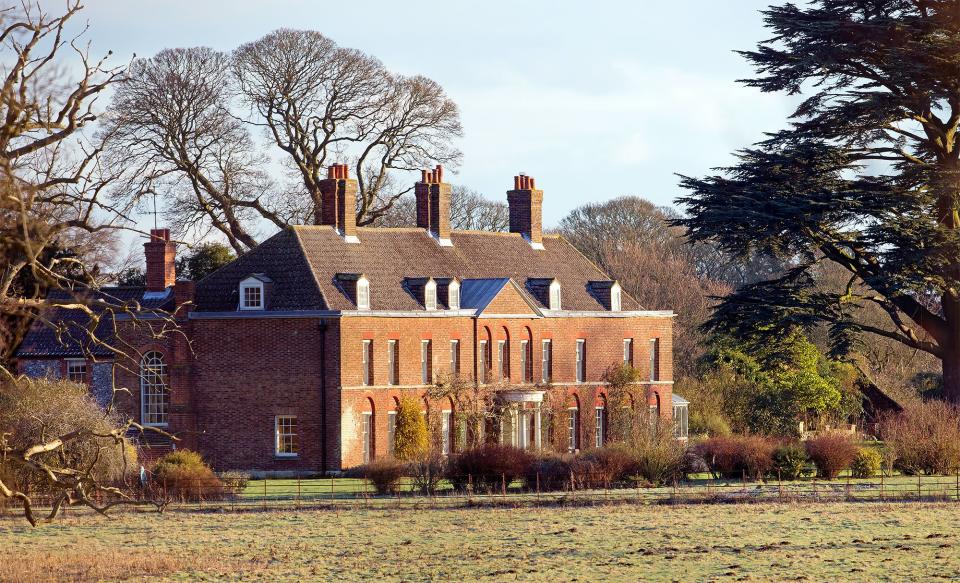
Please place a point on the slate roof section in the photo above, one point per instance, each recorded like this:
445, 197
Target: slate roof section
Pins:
303, 262
73, 339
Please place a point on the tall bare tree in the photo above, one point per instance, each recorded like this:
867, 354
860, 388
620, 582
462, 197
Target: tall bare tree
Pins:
469, 211
321, 103
173, 133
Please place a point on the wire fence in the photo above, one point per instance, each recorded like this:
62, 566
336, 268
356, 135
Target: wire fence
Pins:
539, 491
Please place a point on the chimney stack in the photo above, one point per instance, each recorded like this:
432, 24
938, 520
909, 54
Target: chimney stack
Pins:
161, 255
526, 210
339, 202
433, 205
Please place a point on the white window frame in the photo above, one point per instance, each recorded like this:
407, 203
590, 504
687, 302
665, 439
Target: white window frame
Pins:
363, 293
392, 363
483, 364
455, 357
600, 420
546, 360
503, 355
278, 437
616, 298
366, 432
426, 367
555, 295
252, 284
453, 295
391, 431
77, 362
154, 384
366, 359
446, 423
573, 426
581, 360
628, 351
430, 295
681, 422
524, 360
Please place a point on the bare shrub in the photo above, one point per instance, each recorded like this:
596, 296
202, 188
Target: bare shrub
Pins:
550, 471
488, 467
385, 474
601, 467
738, 456
183, 475
924, 438
831, 453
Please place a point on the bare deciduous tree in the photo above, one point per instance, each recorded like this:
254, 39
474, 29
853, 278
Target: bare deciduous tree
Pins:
469, 211
321, 103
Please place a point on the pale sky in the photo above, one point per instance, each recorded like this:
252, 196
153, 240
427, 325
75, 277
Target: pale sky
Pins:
593, 100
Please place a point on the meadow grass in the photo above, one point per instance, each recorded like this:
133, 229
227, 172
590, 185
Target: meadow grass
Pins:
837, 542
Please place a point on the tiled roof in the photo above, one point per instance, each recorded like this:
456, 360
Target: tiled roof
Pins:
304, 261
73, 339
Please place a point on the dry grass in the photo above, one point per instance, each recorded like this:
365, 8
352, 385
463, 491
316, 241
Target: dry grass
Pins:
837, 542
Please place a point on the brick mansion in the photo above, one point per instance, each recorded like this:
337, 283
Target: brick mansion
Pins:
294, 356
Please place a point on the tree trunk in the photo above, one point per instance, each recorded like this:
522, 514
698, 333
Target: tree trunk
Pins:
951, 350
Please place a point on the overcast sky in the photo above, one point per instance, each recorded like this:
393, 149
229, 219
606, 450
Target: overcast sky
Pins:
595, 100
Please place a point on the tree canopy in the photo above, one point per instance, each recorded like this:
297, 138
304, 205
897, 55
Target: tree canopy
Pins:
865, 177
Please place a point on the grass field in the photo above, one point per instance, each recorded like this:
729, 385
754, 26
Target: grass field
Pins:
815, 542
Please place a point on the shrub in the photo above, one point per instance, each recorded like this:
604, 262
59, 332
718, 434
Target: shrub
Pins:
831, 453
790, 461
600, 467
183, 475
385, 474
550, 471
867, 463
924, 438
749, 456
488, 466
410, 438
711, 424
658, 458
234, 482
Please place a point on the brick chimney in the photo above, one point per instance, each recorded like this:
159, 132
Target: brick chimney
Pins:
526, 210
339, 202
433, 205
161, 256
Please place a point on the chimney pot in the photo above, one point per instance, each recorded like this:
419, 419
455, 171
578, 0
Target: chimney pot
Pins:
161, 257
526, 209
338, 201
433, 204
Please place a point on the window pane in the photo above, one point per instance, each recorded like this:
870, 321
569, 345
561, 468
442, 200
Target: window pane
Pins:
154, 390
524, 346
286, 439
654, 359
455, 357
581, 361
392, 362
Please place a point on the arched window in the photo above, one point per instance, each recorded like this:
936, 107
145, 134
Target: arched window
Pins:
526, 356
600, 421
503, 356
430, 295
446, 426
368, 431
154, 389
392, 427
453, 295
573, 424
615, 298
555, 295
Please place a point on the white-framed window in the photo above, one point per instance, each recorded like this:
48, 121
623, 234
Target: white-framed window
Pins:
430, 295
600, 425
573, 426
616, 298
455, 357
546, 361
581, 360
654, 359
363, 293
484, 361
285, 429
391, 431
367, 350
426, 362
453, 295
503, 360
366, 428
251, 294
154, 390
680, 422
393, 364
628, 351
446, 425
524, 361
77, 371
555, 295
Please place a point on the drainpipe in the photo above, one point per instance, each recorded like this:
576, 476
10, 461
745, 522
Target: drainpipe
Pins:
323, 396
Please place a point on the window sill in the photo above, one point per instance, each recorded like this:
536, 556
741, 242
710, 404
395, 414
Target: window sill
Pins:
286, 456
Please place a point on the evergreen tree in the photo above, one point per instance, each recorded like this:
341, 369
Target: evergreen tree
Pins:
410, 437
867, 176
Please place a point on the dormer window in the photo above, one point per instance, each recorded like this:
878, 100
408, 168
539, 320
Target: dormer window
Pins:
252, 294
555, 295
363, 293
453, 297
615, 298
430, 295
